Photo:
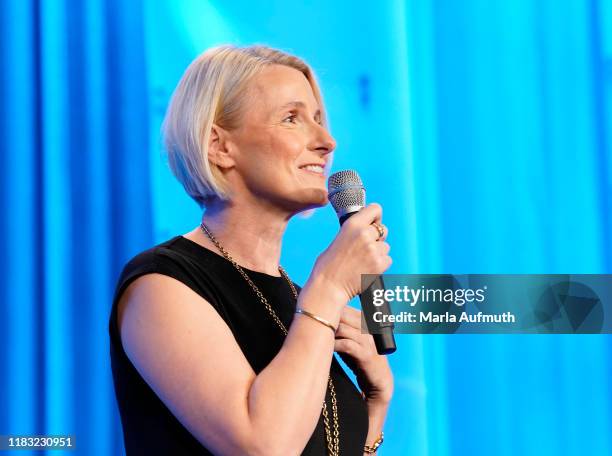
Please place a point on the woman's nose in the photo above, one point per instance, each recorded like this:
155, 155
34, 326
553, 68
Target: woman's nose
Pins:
324, 141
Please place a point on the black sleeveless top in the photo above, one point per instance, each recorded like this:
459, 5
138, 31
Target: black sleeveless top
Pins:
149, 428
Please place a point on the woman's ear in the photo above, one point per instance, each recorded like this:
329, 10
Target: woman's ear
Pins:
219, 151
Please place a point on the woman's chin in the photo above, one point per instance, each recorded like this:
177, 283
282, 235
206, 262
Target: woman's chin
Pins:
318, 197
311, 199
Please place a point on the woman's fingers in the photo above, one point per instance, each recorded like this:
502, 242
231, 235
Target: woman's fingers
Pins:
384, 247
369, 214
348, 346
351, 316
379, 231
360, 346
350, 328
385, 231
348, 331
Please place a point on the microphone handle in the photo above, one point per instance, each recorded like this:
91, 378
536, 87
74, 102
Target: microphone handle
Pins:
381, 332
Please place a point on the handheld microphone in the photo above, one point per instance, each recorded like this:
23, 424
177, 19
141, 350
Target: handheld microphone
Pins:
346, 194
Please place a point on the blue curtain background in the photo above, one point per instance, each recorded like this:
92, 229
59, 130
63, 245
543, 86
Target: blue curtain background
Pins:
75, 201
482, 127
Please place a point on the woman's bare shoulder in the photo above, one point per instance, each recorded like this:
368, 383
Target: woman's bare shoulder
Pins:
178, 343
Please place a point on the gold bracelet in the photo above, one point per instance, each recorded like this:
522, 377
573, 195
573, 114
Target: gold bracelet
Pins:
375, 445
314, 317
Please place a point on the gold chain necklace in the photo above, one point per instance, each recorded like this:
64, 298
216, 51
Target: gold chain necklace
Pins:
333, 439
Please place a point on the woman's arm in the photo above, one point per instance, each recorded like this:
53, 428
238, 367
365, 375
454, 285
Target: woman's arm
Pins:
190, 358
374, 376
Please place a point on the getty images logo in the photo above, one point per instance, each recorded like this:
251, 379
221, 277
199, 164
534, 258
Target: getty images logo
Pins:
414, 296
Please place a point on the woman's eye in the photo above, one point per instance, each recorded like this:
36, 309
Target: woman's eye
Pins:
292, 118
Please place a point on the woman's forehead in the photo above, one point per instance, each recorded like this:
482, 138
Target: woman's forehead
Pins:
278, 87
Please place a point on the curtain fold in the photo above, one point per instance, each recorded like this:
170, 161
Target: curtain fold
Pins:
511, 121
76, 200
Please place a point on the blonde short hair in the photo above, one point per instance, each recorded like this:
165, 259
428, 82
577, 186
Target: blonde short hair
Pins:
213, 90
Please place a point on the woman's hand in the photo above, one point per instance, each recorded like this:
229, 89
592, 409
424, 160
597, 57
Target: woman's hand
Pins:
357, 249
358, 351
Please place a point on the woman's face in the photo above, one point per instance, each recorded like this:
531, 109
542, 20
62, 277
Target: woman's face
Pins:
281, 149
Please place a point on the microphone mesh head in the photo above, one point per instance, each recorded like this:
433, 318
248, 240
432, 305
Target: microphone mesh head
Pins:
345, 191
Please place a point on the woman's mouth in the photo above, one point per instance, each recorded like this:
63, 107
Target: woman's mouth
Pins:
315, 169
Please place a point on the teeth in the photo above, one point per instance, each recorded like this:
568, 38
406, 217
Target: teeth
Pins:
314, 168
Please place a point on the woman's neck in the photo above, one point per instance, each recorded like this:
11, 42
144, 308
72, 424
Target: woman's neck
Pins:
251, 234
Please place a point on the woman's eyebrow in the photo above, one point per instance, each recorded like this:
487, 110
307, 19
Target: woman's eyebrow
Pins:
298, 104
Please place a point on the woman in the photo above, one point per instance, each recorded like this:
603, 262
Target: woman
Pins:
213, 350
